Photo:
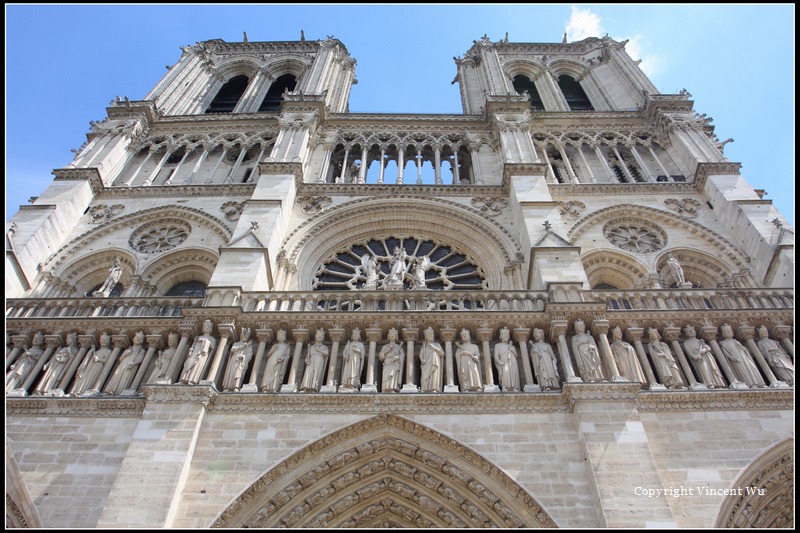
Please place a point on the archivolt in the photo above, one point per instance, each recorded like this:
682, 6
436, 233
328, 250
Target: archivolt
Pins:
492, 247
614, 268
385, 471
770, 478
715, 240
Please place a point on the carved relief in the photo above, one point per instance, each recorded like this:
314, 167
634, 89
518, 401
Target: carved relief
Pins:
155, 237
232, 210
490, 206
635, 237
687, 207
104, 213
312, 205
571, 209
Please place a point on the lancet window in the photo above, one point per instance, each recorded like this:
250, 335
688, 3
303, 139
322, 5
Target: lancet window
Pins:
272, 101
229, 95
523, 84
574, 94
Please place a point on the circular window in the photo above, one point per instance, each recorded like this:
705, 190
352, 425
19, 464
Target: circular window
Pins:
158, 237
392, 263
635, 237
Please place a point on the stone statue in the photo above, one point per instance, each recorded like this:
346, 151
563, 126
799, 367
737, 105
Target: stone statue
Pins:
128, 364
277, 360
201, 350
57, 365
468, 356
114, 273
239, 358
586, 354
369, 267
315, 363
397, 265
741, 361
419, 267
352, 361
544, 361
776, 357
505, 358
392, 356
677, 271
25, 363
92, 367
430, 358
161, 369
665, 364
625, 356
702, 358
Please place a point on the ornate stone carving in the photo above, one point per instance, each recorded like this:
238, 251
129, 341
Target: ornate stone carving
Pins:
635, 237
156, 237
490, 206
232, 209
687, 207
571, 209
104, 213
312, 205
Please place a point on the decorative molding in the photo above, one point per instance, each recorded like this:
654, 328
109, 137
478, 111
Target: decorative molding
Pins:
95, 407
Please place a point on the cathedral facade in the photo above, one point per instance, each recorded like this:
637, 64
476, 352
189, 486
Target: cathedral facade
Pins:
241, 305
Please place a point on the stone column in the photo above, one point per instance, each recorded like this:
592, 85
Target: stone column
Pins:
300, 336
709, 334
86, 342
186, 152
382, 166
53, 342
150, 153
21, 344
659, 163
579, 148
264, 336
484, 335
746, 333
119, 342
227, 332
634, 336
784, 334
340, 179
410, 335
521, 336
558, 330
373, 338
337, 336
456, 177
671, 335
229, 177
152, 176
186, 331
647, 174
448, 335
197, 166
600, 330
362, 172
437, 166
400, 164
219, 162
153, 343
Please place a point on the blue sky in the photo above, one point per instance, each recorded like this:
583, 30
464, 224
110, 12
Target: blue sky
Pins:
64, 64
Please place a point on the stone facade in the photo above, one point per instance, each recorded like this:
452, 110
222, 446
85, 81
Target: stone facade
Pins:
539, 313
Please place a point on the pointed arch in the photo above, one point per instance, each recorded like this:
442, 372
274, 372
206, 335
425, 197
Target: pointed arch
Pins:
767, 484
615, 268
385, 471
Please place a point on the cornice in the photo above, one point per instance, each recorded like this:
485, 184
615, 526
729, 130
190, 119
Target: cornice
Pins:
374, 190
704, 170
716, 400
244, 190
94, 407
610, 190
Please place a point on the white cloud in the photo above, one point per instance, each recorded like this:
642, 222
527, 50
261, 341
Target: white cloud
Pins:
583, 24
636, 49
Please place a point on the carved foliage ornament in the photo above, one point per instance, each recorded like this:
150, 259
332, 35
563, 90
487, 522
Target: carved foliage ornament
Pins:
635, 236
571, 209
490, 206
687, 207
104, 213
156, 237
232, 209
312, 205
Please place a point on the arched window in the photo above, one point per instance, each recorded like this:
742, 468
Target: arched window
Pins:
192, 289
573, 92
115, 292
523, 83
272, 101
229, 95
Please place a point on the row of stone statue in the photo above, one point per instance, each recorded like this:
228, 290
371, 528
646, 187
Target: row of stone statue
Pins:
81, 369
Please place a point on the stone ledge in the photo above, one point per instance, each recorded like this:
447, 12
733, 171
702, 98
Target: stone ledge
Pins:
95, 407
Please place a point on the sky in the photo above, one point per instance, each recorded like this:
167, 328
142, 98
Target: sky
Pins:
65, 63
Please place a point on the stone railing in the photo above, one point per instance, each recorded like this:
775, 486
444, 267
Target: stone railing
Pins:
433, 301
98, 307
621, 300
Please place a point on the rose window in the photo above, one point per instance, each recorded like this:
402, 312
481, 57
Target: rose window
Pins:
151, 239
639, 237
399, 263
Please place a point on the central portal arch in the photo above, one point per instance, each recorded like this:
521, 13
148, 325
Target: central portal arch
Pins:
385, 471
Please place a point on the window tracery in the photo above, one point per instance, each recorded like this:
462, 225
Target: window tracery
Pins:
154, 237
638, 237
447, 267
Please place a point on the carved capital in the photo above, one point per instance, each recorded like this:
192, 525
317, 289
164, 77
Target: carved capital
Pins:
521, 335
20, 341
484, 334
373, 334
264, 335
599, 327
300, 335
155, 341
781, 332
634, 335
557, 329
410, 334
746, 333
86, 341
448, 334
336, 334
120, 341
708, 333
53, 341
671, 333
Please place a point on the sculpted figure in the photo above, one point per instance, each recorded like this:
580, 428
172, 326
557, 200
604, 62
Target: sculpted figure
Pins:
277, 359
315, 363
92, 367
394, 281
663, 361
128, 363
675, 267
505, 358
24, 364
114, 273
392, 356
352, 361
420, 266
160, 371
586, 354
776, 357
56, 366
741, 361
468, 355
430, 358
202, 348
625, 356
544, 361
369, 266
241, 353
702, 358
